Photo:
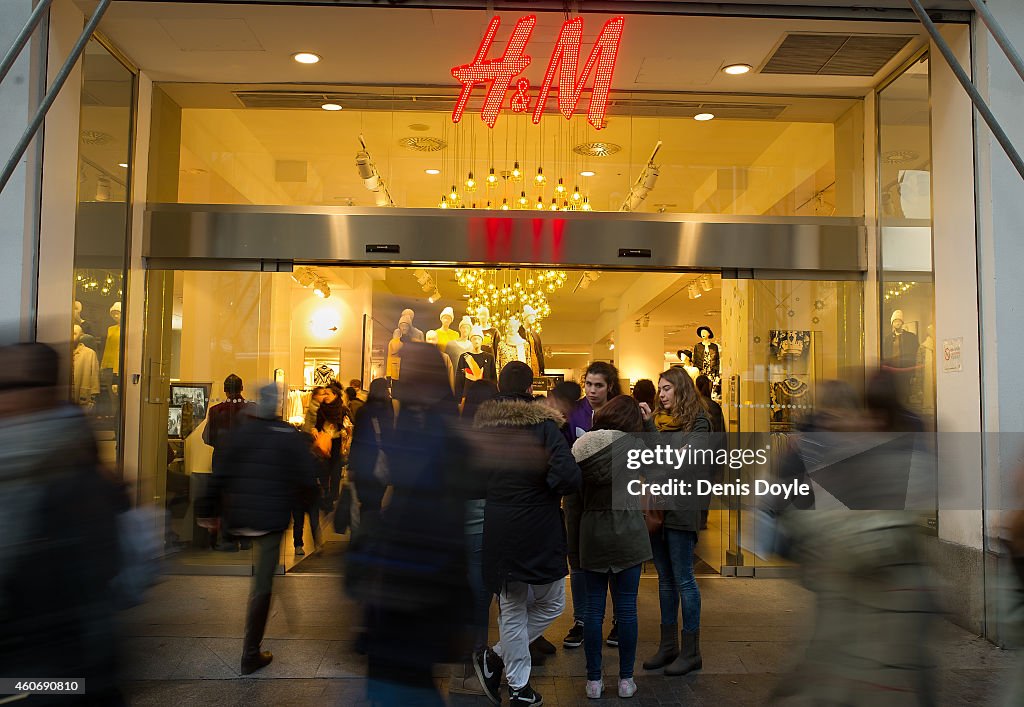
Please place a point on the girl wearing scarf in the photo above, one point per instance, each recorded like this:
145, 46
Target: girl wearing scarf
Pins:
681, 420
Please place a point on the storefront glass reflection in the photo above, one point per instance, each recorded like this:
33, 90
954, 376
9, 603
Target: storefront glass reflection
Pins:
101, 237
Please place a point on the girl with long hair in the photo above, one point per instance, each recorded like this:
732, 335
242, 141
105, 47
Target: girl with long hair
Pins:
681, 419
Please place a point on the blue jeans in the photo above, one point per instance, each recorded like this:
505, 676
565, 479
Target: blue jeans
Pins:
578, 587
624, 586
673, 556
481, 597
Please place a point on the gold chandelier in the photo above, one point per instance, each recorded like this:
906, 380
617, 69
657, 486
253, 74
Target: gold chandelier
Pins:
506, 293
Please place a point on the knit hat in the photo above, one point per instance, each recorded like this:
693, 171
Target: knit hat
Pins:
116, 307
405, 318
528, 310
408, 313
477, 331
466, 322
449, 311
897, 314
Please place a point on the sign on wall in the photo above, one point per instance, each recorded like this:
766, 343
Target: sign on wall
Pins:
498, 74
951, 355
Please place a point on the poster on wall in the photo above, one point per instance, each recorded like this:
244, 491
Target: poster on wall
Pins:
195, 394
174, 422
790, 380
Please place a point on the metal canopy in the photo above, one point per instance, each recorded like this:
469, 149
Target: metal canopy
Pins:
213, 237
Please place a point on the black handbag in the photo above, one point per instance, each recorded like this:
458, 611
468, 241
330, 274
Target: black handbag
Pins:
343, 510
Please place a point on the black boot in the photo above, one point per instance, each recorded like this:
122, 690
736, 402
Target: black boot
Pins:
255, 623
689, 657
668, 650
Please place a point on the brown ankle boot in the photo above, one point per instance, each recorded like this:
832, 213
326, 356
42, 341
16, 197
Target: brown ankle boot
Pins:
689, 657
667, 651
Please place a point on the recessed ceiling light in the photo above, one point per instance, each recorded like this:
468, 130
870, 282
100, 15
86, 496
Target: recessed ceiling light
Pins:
432, 171
587, 173
306, 57
737, 69
704, 116
122, 164
331, 106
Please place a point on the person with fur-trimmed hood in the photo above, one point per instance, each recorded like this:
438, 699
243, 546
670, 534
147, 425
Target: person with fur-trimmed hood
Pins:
529, 469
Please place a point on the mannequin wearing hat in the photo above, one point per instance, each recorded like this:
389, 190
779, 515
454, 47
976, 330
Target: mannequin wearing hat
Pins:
402, 335
706, 354
899, 354
445, 334
112, 344
686, 356
459, 346
527, 331
476, 364
491, 335
414, 333
432, 339
513, 347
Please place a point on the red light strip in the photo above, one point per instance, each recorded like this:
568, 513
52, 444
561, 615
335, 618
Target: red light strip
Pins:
565, 59
499, 72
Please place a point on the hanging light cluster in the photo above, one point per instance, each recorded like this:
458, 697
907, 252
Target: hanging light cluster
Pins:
505, 293
104, 283
897, 289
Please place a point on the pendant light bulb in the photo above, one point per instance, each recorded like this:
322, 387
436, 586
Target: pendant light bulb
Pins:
504, 204
586, 204
470, 183
565, 205
522, 199
554, 205
540, 178
492, 178
540, 204
561, 187
444, 202
576, 196
517, 173
454, 194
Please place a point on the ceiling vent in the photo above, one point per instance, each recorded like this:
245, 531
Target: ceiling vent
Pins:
835, 54
596, 149
423, 143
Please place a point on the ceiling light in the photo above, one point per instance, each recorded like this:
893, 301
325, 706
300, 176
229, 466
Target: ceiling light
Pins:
306, 57
432, 171
123, 164
705, 283
737, 69
587, 173
636, 326
611, 344
694, 292
704, 116
331, 106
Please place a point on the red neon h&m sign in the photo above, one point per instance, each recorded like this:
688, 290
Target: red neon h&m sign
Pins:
564, 63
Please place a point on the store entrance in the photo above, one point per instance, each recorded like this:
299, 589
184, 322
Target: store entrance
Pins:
326, 321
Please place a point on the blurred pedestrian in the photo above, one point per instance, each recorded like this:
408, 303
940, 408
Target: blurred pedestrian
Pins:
410, 569
464, 679
374, 423
681, 420
264, 470
645, 392
333, 419
58, 532
529, 468
613, 538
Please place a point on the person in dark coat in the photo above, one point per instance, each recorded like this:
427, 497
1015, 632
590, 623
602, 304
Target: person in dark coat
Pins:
375, 420
529, 469
220, 421
409, 567
264, 470
330, 419
59, 549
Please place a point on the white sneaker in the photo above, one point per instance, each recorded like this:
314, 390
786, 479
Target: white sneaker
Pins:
627, 687
594, 689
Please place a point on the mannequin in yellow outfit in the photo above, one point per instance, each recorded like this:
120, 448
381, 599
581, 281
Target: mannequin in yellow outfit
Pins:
445, 334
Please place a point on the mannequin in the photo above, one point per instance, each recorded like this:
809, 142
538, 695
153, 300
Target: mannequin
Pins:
417, 334
432, 339
398, 340
445, 334
899, 354
491, 335
76, 314
85, 370
706, 354
459, 346
686, 356
476, 364
527, 331
112, 354
513, 347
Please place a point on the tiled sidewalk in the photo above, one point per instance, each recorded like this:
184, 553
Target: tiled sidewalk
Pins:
182, 648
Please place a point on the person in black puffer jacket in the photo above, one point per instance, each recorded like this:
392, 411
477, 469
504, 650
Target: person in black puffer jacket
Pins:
265, 470
529, 469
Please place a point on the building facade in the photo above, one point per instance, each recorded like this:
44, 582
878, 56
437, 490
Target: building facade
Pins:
795, 177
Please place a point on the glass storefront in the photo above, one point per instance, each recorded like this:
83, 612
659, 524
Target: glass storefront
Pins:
778, 339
